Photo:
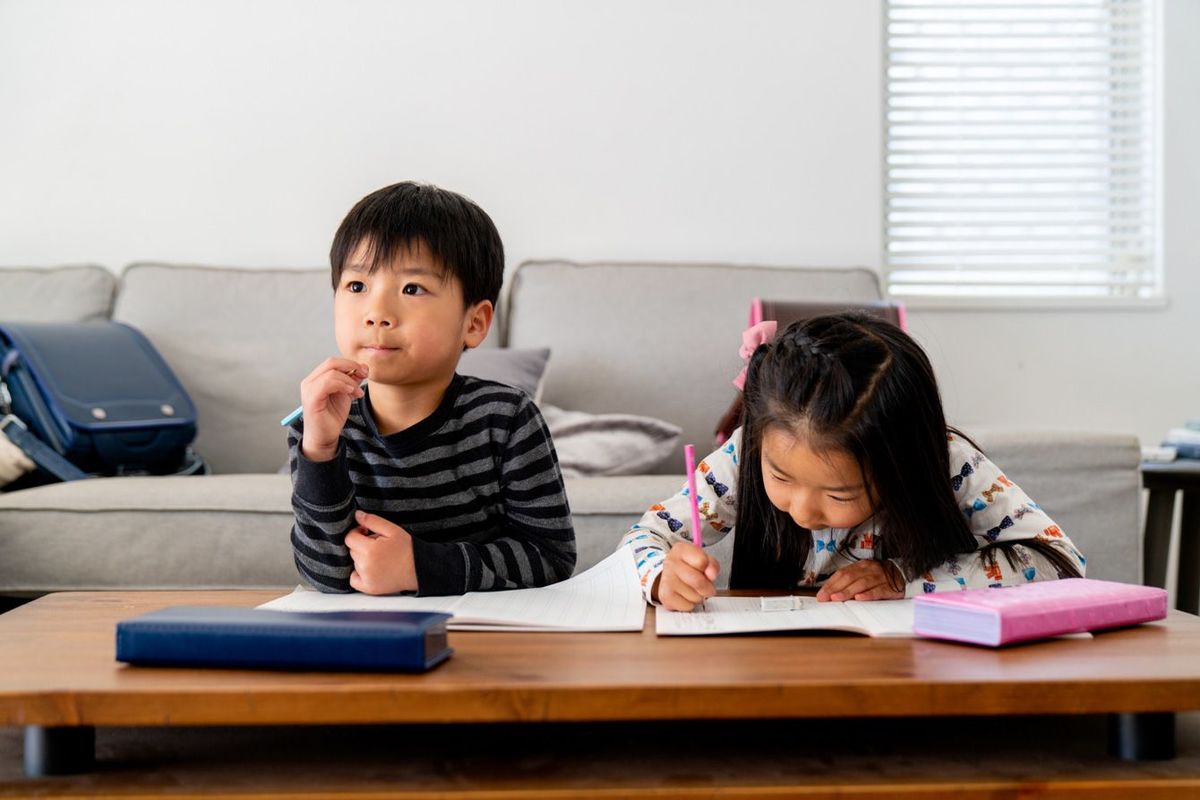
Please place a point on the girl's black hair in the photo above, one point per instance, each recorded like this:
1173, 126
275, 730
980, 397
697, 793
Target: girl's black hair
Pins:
457, 232
858, 384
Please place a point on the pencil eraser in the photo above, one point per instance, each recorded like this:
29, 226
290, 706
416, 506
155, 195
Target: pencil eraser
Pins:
786, 603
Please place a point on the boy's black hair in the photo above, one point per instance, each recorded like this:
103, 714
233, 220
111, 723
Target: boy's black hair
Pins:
458, 233
858, 384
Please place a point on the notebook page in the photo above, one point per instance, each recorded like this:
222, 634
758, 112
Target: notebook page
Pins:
745, 615
304, 599
884, 617
606, 597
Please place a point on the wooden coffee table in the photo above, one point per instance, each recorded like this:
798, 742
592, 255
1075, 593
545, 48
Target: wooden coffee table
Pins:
59, 680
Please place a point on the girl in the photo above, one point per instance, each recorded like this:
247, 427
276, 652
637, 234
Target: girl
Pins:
844, 475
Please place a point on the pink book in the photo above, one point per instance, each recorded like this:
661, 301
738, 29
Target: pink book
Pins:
1003, 615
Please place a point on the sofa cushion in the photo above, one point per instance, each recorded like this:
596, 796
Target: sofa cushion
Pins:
659, 340
240, 340
591, 445
57, 294
524, 369
218, 531
233, 530
222, 531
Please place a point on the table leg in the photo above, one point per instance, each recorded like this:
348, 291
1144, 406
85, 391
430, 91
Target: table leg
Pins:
1156, 542
1142, 737
59, 751
1187, 592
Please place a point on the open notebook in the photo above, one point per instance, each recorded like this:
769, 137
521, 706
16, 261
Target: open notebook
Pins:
759, 614
607, 597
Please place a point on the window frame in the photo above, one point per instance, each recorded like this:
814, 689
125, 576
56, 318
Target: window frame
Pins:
1155, 298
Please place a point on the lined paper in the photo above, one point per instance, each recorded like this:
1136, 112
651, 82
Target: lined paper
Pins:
606, 597
745, 615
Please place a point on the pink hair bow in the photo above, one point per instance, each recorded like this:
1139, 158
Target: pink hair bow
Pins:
752, 337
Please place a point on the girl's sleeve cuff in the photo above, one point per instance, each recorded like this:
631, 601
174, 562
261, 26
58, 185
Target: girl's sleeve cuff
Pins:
922, 586
648, 579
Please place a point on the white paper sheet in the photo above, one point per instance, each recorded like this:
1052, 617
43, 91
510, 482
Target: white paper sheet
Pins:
607, 597
745, 615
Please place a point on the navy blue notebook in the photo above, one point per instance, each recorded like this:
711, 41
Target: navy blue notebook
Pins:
216, 636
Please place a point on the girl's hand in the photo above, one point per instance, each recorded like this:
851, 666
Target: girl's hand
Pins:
327, 393
864, 580
687, 578
383, 556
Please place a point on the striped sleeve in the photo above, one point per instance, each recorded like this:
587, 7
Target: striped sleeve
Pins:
323, 505
537, 542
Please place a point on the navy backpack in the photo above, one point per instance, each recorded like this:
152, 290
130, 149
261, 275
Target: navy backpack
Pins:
93, 398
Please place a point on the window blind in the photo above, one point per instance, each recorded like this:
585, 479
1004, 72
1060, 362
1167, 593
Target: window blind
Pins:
1020, 149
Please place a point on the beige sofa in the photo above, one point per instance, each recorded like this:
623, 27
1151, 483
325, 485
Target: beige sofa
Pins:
652, 339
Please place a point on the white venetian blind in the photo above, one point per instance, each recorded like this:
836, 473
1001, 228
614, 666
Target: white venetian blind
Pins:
1020, 149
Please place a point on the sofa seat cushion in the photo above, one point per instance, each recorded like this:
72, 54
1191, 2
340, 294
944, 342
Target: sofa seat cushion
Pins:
217, 531
233, 531
220, 531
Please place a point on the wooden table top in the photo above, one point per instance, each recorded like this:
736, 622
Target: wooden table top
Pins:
57, 667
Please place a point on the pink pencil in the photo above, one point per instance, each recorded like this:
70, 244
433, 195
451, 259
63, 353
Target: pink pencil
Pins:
689, 459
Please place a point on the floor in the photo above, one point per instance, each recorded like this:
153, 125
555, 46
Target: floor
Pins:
664, 759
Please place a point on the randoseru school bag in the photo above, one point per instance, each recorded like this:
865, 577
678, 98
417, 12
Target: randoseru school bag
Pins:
93, 398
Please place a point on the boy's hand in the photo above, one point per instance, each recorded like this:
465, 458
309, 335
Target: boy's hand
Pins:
864, 580
383, 556
686, 578
327, 393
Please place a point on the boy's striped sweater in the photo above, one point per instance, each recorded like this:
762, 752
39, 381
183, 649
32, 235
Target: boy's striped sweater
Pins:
476, 483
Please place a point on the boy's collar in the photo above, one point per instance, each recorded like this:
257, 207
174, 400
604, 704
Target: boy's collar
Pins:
402, 441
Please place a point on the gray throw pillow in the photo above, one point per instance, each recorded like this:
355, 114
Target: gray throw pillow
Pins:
609, 444
524, 369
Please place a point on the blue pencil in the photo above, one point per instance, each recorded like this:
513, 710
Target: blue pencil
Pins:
295, 415
292, 417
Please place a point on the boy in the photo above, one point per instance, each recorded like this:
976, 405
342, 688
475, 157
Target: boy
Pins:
422, 480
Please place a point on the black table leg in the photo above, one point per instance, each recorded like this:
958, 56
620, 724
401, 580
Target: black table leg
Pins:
59, 751
1142, 737
1156, 544
1187, 592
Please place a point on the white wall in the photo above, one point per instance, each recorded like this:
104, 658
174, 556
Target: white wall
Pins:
239, 133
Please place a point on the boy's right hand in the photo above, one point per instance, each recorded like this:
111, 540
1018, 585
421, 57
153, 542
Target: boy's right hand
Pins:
327, 393
686, 578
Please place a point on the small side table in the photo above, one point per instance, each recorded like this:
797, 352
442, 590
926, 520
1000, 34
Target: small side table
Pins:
1164, 481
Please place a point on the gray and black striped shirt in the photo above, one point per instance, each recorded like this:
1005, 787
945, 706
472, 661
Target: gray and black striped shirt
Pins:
476, 483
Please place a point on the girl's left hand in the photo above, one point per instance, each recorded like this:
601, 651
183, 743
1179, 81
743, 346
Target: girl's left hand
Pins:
863, 580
